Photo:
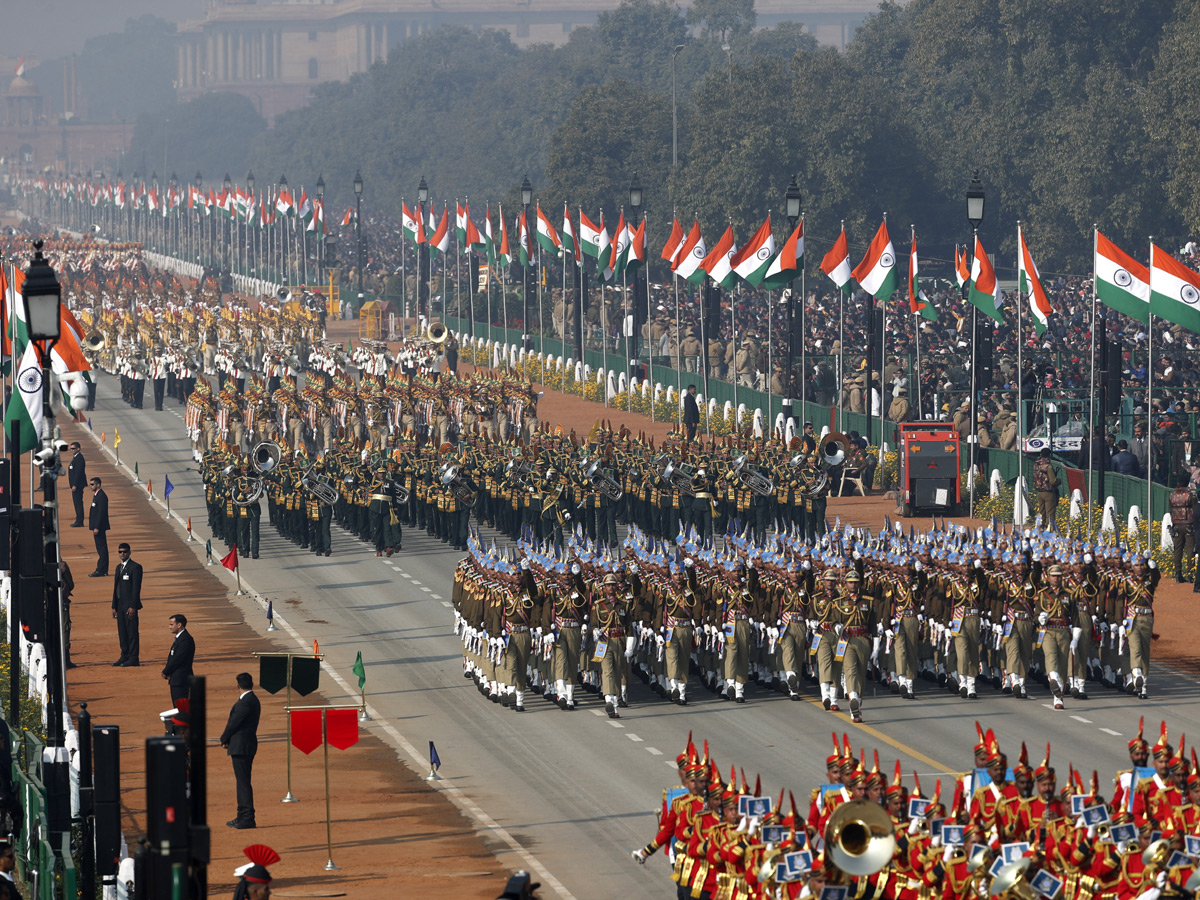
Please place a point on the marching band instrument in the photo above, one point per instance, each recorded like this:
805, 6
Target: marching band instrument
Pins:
326, 493
519, 471
1010, 882
400, 491
860, 837
832, 449
678, 476
95, 341
437, 333
265, 457
754, 480
254, 496
601, 480
451, 477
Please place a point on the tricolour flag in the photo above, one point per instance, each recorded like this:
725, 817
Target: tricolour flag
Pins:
524, 251
985, 289
836, 263
637, 248
460, 223
410, 224
589, 235
787, 262
618, 249
1174, 290
691, 254
569, 244
917, 301
671, 247
473, 237
754, 259
350, 218
962, 272
877, 271
1030, 282
503, 254
440, 239
717, 263
25, 405
1122, 283
547, 237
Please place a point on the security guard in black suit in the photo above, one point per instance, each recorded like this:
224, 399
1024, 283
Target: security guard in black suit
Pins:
126, 602
77, 479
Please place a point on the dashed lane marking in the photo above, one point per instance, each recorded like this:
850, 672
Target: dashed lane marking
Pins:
1110, 731
634, 738
654, 751
1082, 719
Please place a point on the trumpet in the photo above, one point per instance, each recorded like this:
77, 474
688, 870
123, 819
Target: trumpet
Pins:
601, 481
754, 480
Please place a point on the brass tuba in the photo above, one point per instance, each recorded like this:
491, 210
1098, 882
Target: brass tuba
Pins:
1010, 882
832, 450
265, 457
678, 476
601, 480
451, 477
860, 838
751, 478
437, 333
253, 497
95, 341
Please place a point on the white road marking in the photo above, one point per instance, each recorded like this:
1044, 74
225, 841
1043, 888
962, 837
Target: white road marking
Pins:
447, 604
437, 597
425, 589
669, 764
598, 712
1082, 719
1110, 731
414, 580
634, 738
654, 751
406, 575
616, 724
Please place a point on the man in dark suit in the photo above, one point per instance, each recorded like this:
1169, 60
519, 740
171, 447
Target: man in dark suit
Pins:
178, 669
240, 739
98, 523
8, 865
77, 478
1123, 462
691, 412
126, 601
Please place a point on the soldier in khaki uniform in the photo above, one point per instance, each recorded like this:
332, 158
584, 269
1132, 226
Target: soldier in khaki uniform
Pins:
858, 618
827, 623
1139, 622
1056, 617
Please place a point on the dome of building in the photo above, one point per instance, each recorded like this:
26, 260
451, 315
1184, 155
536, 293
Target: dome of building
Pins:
20, 87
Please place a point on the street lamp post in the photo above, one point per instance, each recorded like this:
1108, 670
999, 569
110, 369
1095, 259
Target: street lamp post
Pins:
793, 200
197, 237
321, 233
422, 249
358, 188
42, 295
674, 113
283, 244
150, 228
173, 226
228, 185
526, 199
975, 203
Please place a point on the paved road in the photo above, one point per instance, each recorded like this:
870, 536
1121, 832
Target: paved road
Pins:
571, 793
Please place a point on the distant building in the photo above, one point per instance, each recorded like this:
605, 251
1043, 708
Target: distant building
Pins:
275, 52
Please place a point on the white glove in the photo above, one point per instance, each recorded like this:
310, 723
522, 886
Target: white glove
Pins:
750, 562
525, 563
688, 562
1091, 832
538, 631
639, 855
837, 629
1087, 558
947, 853
978, 564
575, 570
935, 841
633, 568
806, 566
1043, 618
595, 635
914, 827
630, 644
918, 566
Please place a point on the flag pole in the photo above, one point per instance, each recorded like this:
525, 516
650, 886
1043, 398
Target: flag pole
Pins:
1020, 386
841, 350
678, 341
916, 388
974, 363
329, 866
531, 239
1150, 418
1093, 491
289, 797
790, 380
403, 279
882, 366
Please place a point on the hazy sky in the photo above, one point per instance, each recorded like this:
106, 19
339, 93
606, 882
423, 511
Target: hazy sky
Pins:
45, 29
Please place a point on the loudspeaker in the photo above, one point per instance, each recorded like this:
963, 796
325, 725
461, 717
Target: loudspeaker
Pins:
106, 775
1111, 363
166, 793
31, 584
106, 763
983, 356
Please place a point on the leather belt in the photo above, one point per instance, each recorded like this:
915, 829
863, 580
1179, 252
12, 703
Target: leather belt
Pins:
614, 634
560, 622
1057, 623
1141, 610
676, 622
735, 617
971, 611
518, 629
854, 631
1019, 616
788, 618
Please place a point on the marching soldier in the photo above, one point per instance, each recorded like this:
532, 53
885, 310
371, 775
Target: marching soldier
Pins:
1139, 622
1056, 618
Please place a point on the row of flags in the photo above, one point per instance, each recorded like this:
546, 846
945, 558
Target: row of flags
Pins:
1166, 288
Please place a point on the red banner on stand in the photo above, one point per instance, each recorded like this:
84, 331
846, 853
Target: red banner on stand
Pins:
306, 729
341, 726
